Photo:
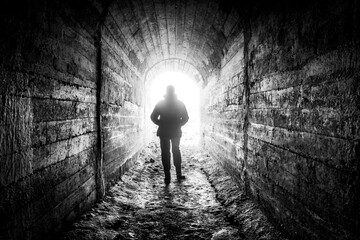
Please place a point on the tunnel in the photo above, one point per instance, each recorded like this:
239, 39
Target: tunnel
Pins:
279, 92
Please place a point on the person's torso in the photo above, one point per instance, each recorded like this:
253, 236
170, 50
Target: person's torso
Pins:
170, 117
170, 111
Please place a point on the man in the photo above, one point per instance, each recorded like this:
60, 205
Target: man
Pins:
170, 115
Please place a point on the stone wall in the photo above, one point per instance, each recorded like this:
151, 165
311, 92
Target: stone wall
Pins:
47, 115
284, 112
122, 98
58, 144
224, 107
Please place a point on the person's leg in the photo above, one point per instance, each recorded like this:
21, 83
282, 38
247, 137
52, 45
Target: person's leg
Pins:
165, 157
175, 142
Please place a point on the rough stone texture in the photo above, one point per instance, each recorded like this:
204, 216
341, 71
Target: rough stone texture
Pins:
224, 108
191, 32
240, 208
47, 116
282, 114
122, 103
69, 88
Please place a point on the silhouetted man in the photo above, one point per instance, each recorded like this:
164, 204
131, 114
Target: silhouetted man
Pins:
170, 115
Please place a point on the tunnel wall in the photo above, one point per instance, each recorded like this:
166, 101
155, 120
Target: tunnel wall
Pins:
223, 107
122, 100
282, 114
47, 110
71, 105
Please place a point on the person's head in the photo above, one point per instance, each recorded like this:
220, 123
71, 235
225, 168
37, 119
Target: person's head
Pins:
170, 91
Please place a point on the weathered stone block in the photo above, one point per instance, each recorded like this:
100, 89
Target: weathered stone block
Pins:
58, 151
15, 166
300, 90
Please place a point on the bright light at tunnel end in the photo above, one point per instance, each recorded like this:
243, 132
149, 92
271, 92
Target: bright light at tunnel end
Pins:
187, 91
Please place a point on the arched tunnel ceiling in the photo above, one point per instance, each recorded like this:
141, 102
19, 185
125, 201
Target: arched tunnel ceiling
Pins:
175, 65
193, 31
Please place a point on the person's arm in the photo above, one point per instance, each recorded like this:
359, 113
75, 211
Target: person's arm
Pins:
184, 116
155, 115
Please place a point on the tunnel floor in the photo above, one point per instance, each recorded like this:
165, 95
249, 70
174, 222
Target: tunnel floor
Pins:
141, 206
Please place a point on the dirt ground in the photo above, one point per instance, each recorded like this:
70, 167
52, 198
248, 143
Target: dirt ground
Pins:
141, 206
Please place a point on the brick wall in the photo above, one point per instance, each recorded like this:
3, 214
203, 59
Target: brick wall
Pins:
284, 112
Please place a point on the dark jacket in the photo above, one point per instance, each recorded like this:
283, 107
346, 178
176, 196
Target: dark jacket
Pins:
170, 115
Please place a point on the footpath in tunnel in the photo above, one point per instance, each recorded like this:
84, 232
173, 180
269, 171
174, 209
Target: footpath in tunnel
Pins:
207, 205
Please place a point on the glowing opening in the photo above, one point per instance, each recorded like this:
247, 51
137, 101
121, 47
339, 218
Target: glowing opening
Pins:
187, 91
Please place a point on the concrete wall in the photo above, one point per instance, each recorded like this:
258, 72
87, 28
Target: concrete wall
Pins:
224, 108
281, 104
54, 73
284, 112
122, 99
47, 110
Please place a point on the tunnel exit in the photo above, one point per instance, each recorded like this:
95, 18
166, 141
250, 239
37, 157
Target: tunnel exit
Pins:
187, 91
